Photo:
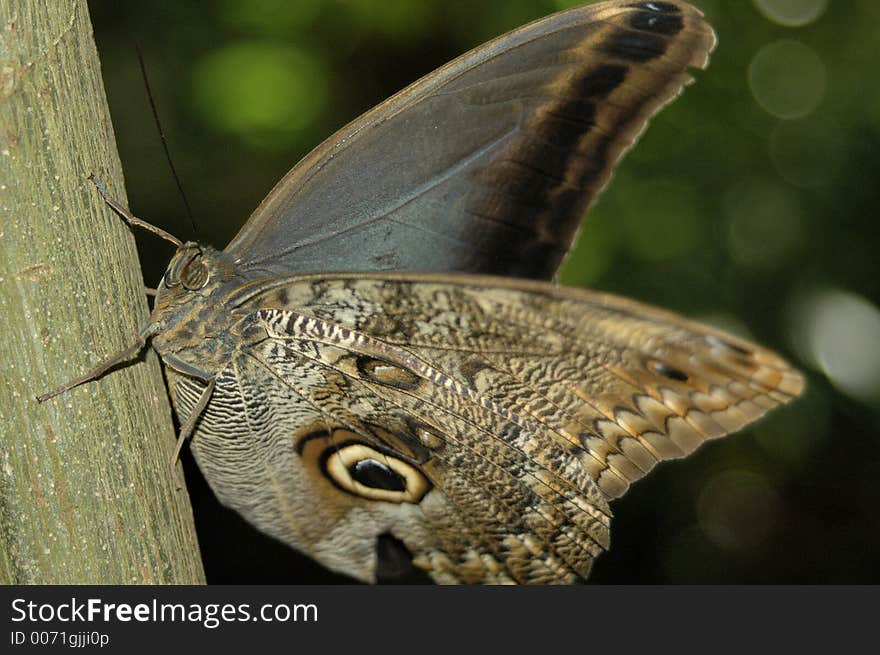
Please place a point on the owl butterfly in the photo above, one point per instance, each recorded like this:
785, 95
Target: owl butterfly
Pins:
468, 411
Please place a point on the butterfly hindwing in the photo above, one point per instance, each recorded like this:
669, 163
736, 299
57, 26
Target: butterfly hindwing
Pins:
483, 422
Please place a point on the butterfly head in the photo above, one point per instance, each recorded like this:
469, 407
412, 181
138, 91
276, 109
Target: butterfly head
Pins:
188, 269
191, 325
194, 270
189, 292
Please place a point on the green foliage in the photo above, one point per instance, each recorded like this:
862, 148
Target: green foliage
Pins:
265, 94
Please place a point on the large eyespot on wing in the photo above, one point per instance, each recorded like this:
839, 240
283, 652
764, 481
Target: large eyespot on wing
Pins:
487, 164
362, 470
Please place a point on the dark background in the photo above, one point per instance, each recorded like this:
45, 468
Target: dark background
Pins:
749, 203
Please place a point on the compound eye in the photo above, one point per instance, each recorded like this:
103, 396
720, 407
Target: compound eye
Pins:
194, 274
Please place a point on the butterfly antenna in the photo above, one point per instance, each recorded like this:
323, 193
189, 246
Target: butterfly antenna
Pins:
158, 122
130, 218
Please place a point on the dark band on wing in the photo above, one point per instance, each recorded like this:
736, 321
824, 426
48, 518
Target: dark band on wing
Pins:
563, 155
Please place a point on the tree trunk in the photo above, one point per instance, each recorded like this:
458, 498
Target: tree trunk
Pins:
86, 491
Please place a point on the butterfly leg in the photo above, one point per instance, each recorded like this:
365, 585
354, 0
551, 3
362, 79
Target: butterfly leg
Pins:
191, 371
190, 423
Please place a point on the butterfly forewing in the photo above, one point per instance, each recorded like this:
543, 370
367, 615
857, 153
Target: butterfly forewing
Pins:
487, 164
482, 422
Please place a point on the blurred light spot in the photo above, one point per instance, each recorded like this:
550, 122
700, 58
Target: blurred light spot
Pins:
687, 557
264, 93
874, 109
764, 226
807, 152
736, 510
662, 219
269, 16
869, 493
867, 9
795, 435
593, 250
400, 19
787, 78
792, 13
839, 332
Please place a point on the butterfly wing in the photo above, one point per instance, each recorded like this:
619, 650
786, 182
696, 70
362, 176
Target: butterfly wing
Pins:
482, 422
487, 164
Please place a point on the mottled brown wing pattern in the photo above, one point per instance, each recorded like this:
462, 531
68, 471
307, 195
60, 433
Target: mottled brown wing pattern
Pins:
487, 164
482, 422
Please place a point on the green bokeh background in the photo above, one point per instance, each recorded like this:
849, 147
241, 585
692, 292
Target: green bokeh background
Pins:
744, 199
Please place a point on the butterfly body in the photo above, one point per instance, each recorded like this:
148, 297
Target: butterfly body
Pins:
481, 423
